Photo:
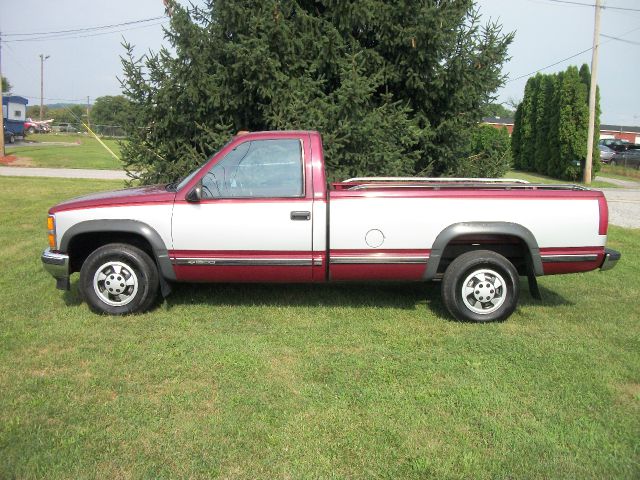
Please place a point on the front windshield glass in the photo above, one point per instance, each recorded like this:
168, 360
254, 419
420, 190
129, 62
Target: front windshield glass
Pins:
188, 178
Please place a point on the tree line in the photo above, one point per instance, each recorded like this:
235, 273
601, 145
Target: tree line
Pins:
106, 110
551, 123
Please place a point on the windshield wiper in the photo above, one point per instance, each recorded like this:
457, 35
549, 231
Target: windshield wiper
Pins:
171, 187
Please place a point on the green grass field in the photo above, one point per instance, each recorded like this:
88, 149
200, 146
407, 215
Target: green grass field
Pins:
53, 150
538, 178
281, 381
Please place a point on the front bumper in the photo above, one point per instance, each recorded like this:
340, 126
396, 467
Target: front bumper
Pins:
611, 257
57, 264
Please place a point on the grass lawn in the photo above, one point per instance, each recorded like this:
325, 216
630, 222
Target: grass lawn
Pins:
538, 178
54, 150
277, 381
621, 172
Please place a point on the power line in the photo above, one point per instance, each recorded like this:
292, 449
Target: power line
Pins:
621, 39
549, 66
68, 37
86, 29
572, 56
604, 7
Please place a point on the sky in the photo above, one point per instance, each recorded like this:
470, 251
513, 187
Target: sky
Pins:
546, 31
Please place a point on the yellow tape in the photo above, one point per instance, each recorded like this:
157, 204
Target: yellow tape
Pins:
101, 142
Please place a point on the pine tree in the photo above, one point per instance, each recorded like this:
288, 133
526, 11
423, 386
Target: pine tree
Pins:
394, 87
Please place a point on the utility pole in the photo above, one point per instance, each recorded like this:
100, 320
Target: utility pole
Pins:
592, 94
42, 59
88, 119
1, 103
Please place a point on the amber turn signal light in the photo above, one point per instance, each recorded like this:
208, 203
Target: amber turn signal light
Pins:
51, 226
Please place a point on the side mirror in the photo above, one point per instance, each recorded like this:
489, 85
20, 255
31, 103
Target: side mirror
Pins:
195, 195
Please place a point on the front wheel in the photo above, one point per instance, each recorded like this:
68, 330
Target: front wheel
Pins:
480, 286
119, 279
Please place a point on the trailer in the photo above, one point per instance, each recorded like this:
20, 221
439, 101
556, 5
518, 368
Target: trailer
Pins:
14, 112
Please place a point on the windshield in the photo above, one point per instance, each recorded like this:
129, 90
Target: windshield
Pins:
187, 179
177, 186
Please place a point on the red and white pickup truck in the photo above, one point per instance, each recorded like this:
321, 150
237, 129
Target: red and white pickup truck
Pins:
260, 210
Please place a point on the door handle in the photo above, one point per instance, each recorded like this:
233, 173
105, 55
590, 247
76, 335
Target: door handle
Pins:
300, 215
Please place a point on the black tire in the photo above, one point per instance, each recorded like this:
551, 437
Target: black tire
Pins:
126, 271
612, 163
32, 130
467, 269
12, 139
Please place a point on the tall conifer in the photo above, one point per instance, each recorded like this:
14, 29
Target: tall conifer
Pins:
394, 86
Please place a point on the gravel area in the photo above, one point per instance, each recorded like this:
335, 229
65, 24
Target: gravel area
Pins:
624, 206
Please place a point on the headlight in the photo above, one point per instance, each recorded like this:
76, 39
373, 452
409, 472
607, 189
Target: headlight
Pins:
51, 227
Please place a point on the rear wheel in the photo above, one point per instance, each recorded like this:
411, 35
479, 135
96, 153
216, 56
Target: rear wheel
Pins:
480, 286
118, 279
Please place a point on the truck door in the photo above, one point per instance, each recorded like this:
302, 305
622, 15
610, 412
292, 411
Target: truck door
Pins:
253, 222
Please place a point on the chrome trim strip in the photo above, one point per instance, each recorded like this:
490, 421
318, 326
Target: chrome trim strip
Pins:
378, 260
569, 258
254, 262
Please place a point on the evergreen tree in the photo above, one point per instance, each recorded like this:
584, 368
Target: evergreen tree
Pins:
572, 131
516, 138
528, 135
585, 77
544, 107
394, 87
554, 167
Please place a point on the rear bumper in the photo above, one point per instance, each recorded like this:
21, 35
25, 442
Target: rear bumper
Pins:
611, 257
57, 264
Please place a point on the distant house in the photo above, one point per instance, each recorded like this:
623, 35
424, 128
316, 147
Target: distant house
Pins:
14, 113
499, 122
630, 134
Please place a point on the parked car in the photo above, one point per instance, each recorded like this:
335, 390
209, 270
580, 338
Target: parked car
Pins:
260, 210
628, 159
615, 144
605, 153
9, 137
65, 128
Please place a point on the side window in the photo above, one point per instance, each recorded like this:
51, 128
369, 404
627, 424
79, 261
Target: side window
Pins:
257, 169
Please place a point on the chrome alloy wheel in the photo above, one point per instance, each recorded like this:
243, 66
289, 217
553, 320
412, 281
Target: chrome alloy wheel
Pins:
484, 291
115, 283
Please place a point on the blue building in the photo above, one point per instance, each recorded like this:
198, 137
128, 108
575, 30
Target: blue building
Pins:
14, 112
